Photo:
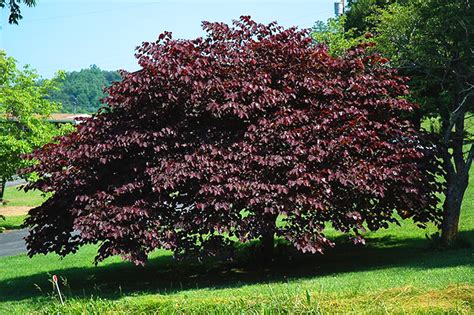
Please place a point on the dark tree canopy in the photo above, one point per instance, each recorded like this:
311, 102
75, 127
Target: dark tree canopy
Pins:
81, 91
359, 13
432, 42
217, 137
14, 7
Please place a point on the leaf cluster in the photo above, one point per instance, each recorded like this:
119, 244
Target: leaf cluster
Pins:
333, 33
14, 7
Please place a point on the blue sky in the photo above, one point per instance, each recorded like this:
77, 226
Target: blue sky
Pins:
70, 35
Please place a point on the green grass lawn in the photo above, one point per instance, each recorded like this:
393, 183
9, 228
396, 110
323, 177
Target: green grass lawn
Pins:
12, 222
399, 270
18, 198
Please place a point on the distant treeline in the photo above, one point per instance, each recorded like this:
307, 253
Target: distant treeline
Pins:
81, 91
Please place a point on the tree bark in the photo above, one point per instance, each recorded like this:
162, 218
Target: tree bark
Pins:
2, 189
452, 209
457, 175
456, 167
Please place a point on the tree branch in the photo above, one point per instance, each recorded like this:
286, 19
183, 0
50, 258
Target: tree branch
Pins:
469, 159
454, 116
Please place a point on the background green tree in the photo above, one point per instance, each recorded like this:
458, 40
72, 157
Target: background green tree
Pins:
360, 11
334, 34
81, 91
23, 107
432, 41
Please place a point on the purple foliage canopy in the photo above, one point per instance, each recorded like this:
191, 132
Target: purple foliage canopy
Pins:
217, 137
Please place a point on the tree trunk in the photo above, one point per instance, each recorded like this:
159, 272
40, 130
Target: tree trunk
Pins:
2, 189
268, 239
268, 243
416, 119
457, 170
452, 209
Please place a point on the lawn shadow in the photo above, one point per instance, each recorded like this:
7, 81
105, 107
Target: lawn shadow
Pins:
165, 276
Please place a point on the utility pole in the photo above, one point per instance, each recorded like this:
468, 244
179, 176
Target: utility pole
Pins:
74, 102
339, 7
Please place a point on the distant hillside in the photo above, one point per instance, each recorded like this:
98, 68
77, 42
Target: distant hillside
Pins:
82, 90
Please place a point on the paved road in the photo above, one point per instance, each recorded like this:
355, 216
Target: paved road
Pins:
12, 243
16, 182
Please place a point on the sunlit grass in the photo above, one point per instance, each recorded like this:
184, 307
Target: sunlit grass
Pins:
12, 222
16, 198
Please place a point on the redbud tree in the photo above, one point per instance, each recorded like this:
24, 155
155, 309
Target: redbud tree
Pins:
250, 132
